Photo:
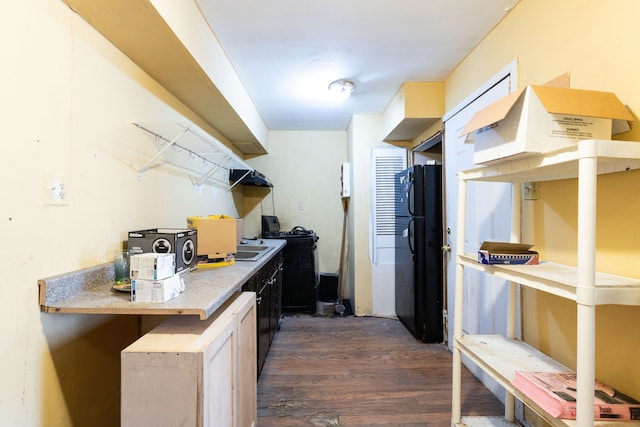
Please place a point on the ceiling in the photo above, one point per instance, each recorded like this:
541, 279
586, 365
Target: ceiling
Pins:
266, 65
286, 52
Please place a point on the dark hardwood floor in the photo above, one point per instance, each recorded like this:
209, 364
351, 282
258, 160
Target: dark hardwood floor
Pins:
360, 371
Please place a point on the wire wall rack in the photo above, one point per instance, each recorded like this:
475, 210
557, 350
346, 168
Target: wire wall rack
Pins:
205, 159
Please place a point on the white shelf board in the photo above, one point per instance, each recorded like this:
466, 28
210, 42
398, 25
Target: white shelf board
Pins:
486, 422
562, 280
613, 156
501, 357
501, 422
573, 423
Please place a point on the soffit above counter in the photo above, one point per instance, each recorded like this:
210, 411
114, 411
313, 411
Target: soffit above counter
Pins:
166, 43
415, 107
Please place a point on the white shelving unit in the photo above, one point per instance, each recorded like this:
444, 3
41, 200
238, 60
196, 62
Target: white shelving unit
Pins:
189, 148
501, 356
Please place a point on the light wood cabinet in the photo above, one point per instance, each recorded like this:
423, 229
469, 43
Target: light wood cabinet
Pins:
246, 375
193, 372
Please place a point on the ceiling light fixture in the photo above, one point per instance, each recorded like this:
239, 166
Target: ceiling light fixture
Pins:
341, 88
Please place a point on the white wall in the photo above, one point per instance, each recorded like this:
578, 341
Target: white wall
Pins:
68, 101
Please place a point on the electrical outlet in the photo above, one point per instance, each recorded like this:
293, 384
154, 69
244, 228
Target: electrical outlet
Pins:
300, 205
55, 190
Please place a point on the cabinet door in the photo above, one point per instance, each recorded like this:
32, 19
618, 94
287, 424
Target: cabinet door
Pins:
158, 389
263, 299
274, 314
247, 379
218, 376
278, 286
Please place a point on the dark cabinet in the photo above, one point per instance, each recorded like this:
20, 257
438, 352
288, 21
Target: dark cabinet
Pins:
267, 284
276, 301
262, 300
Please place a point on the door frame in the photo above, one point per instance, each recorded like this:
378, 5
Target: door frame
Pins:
509, 71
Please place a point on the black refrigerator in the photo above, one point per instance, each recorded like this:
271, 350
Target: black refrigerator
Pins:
418, 249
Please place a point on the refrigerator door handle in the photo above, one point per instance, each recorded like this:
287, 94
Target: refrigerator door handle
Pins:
410, 198
410, 236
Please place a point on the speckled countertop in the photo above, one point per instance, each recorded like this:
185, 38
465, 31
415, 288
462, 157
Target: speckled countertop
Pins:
89, 290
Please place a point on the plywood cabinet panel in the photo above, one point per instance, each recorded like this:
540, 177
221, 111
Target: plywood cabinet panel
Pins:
190, 372
247, 381
218, 378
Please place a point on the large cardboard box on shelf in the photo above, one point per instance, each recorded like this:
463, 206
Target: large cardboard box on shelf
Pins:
507, 253
218, 235
538, 119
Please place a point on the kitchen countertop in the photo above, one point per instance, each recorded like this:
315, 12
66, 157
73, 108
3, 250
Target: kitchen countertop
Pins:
89, 290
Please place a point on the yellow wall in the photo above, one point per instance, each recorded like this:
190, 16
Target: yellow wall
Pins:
596, 41
304, 168
359, 261
364, 132
68, 102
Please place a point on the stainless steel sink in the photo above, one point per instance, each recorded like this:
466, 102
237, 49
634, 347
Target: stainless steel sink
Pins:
246, 255
250, 248
251, 252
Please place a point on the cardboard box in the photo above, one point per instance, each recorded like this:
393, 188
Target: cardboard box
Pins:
239, 231
218, 235
543, 118
556, 393
144, 290
507, 253
152, 266
181, 242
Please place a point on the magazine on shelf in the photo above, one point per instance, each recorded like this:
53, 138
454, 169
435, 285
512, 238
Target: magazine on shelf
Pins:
555, 392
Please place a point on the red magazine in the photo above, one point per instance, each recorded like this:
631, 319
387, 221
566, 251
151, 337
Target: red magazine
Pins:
555, 392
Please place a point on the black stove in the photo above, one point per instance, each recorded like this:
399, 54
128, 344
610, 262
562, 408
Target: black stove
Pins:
298, 265
295, 232
271, 229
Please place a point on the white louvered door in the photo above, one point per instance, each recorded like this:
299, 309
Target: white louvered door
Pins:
385, 163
